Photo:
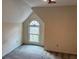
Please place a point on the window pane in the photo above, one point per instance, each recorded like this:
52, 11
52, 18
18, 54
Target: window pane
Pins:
34, 30
34, 22
34, 38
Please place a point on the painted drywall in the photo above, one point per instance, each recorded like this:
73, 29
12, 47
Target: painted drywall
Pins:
13, 15
26, 23
60, 28
15, 11
11, 37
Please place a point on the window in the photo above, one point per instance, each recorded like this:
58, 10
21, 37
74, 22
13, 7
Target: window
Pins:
34, 31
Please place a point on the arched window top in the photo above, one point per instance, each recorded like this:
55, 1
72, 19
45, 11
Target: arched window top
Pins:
34, 31
34, 22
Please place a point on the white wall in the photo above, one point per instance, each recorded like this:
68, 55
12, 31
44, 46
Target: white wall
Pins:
11, 37
13, 14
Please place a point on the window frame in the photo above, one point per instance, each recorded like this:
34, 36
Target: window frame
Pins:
32, 33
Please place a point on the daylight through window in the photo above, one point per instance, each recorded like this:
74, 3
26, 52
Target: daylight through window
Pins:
34, 31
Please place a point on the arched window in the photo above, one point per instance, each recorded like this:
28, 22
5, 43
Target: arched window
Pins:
34, 32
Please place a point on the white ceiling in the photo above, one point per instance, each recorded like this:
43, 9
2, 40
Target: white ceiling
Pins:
19, 10
41, 3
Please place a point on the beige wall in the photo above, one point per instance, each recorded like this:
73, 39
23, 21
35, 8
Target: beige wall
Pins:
60, 28
11, 37
26, 23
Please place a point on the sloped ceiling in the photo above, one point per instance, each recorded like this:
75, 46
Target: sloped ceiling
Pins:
15, 11
41, 3
20, 10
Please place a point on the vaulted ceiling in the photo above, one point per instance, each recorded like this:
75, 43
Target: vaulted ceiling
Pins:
15, 11
42, 3
19, 10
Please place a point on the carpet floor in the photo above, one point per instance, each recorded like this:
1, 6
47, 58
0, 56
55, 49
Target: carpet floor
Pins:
33, 52
29, 52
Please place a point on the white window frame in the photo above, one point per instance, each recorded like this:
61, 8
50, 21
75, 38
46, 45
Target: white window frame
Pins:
34, 34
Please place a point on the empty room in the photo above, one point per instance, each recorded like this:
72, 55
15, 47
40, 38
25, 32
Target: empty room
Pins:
39, 29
